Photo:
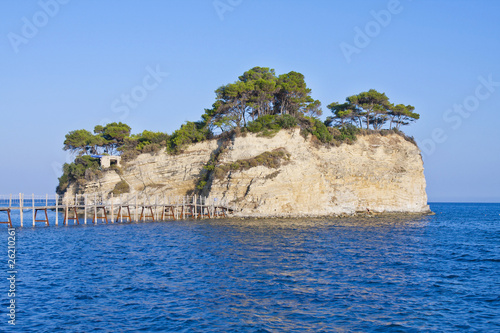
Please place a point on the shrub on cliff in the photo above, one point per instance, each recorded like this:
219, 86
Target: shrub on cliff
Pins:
269, 125
121, 187
189, 133
286, 121
149, 141
347, 133
129, 155
396, 131
265, 126
270, 159
317, 128
150, 148
145, 142
78, 171
254, 126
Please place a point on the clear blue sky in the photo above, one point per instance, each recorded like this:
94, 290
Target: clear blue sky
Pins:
67, 67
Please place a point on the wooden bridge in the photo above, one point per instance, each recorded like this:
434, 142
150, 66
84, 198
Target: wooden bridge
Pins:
95, 208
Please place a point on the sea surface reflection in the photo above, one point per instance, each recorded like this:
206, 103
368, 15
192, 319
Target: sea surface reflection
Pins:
433, 273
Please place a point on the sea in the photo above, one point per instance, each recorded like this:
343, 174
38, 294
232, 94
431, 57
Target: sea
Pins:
437, 273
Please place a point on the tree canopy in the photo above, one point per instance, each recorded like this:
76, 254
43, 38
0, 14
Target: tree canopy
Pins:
258, 102
259, 92
82, 142
371, 108
293, 96
107, 139
402, 115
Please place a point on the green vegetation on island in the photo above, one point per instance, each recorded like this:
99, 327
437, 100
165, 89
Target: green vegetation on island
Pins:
258, 102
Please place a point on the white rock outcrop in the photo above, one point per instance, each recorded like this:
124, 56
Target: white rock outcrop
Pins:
379, 173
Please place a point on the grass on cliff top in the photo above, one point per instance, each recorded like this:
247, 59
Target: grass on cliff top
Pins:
385, 132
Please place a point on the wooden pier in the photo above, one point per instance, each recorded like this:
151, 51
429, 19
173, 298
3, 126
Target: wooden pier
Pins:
98, 208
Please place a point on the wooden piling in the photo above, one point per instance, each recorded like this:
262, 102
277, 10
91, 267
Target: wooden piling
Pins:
21, 204
33, 207
9, 220
135, 211
112, 210
66, 210
57, 209
195, 212
85, 209
183, 208
95, 207
158, 209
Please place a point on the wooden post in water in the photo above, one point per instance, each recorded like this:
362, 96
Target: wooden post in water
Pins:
156, 207
143, 208
173, 202
10, 200
85, 208
66, 212
163, 207
21, 204
121, 208
176, 201
213, 207
33, 207
195, 208
112, 209
204, 206
57, 209
76, 205
76, 202
135, 212
183, 212
120, 205
95, 208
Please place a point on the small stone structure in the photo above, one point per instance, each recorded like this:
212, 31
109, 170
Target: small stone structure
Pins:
108, 161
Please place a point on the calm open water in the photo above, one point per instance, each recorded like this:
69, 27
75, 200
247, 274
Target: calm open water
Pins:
436, 273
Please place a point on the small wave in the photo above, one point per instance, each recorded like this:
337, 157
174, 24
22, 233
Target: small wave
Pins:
83, 297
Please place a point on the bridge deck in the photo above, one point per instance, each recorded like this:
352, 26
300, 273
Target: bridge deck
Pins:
98, 206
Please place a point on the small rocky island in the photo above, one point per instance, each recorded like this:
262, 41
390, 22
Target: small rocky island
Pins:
271, 157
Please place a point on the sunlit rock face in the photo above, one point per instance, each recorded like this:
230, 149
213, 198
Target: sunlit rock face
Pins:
376, 173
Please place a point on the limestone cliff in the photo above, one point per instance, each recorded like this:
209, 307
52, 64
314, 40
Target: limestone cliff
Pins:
379, 173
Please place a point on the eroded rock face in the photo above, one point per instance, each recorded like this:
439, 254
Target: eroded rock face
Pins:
379, 173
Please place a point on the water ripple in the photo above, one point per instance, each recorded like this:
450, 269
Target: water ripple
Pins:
397, 274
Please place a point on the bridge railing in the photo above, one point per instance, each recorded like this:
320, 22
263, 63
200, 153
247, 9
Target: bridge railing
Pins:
88, 205
18, 200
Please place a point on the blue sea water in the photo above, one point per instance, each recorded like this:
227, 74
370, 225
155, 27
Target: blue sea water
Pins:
435, 273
